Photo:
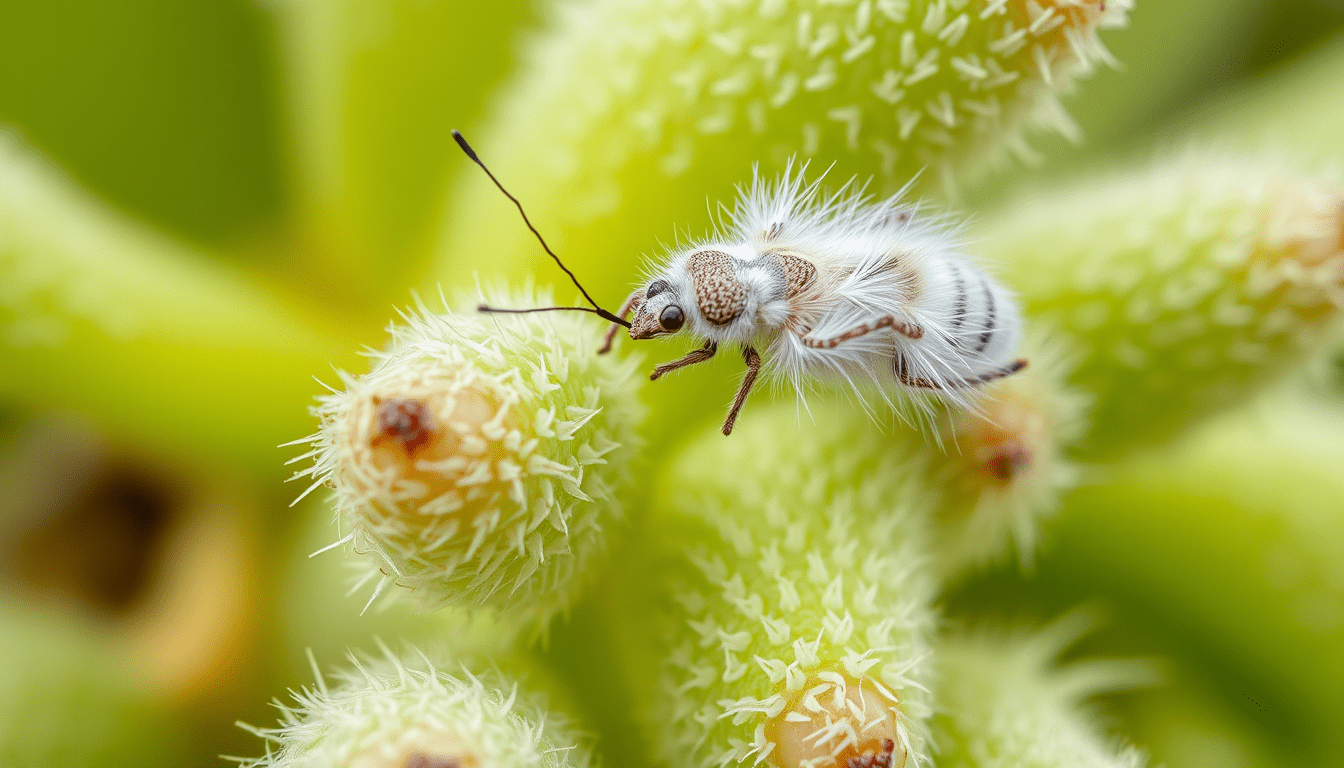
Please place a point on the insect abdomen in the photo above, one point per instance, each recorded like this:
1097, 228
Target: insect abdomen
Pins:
981, 320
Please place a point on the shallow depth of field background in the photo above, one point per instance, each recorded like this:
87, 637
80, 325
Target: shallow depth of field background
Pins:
187, 557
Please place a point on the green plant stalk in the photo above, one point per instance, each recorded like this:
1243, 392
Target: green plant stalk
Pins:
1230, 544
66, 698
1287, 110
155, 341
1169, 52
373, 90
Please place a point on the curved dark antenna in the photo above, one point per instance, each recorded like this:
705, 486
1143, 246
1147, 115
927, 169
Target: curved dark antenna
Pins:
596, 310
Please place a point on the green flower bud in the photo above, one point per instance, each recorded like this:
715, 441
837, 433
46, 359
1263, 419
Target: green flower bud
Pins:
790, 600
481, 457
1004, 463
630, 114
1184, 287
1002, 706
394, 713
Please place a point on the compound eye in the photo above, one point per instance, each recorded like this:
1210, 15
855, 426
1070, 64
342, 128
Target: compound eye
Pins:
671, 319
655, 288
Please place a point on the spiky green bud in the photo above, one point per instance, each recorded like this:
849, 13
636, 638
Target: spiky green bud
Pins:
1003, 463
630, 114
1183, 286
787, 578
396, 713
481, 457
1001, 705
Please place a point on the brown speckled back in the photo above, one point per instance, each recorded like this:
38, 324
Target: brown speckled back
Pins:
720, 296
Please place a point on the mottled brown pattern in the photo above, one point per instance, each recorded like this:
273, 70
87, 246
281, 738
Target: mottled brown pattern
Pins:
407, 422
798, 272
718, 293
644, 326
883, 759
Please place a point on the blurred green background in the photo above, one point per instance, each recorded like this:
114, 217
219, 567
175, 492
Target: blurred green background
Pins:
270, 137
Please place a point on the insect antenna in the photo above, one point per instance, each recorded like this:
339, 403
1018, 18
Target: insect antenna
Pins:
596, 310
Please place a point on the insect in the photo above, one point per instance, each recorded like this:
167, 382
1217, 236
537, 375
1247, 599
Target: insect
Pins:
826, 286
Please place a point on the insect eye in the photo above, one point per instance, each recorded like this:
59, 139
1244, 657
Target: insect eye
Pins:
671, 319
655, 288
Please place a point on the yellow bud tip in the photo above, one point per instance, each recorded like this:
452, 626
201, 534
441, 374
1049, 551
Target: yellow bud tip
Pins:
1003, 441
845, 724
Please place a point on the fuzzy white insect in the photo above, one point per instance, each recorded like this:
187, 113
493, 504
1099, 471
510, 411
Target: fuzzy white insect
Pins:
835, 286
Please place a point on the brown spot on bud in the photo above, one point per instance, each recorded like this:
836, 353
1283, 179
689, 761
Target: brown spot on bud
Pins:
431, 441
422, 760
880, 759
1005, 461
1000, 443
406, 422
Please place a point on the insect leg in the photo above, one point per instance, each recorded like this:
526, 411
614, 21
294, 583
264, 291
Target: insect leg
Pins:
908, 330
903, 374
753, 367
615, 327
698, 356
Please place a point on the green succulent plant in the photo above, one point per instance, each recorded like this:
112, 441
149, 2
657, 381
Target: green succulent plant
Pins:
792, 596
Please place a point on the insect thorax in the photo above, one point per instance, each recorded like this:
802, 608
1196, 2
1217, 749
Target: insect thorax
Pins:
724, 284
